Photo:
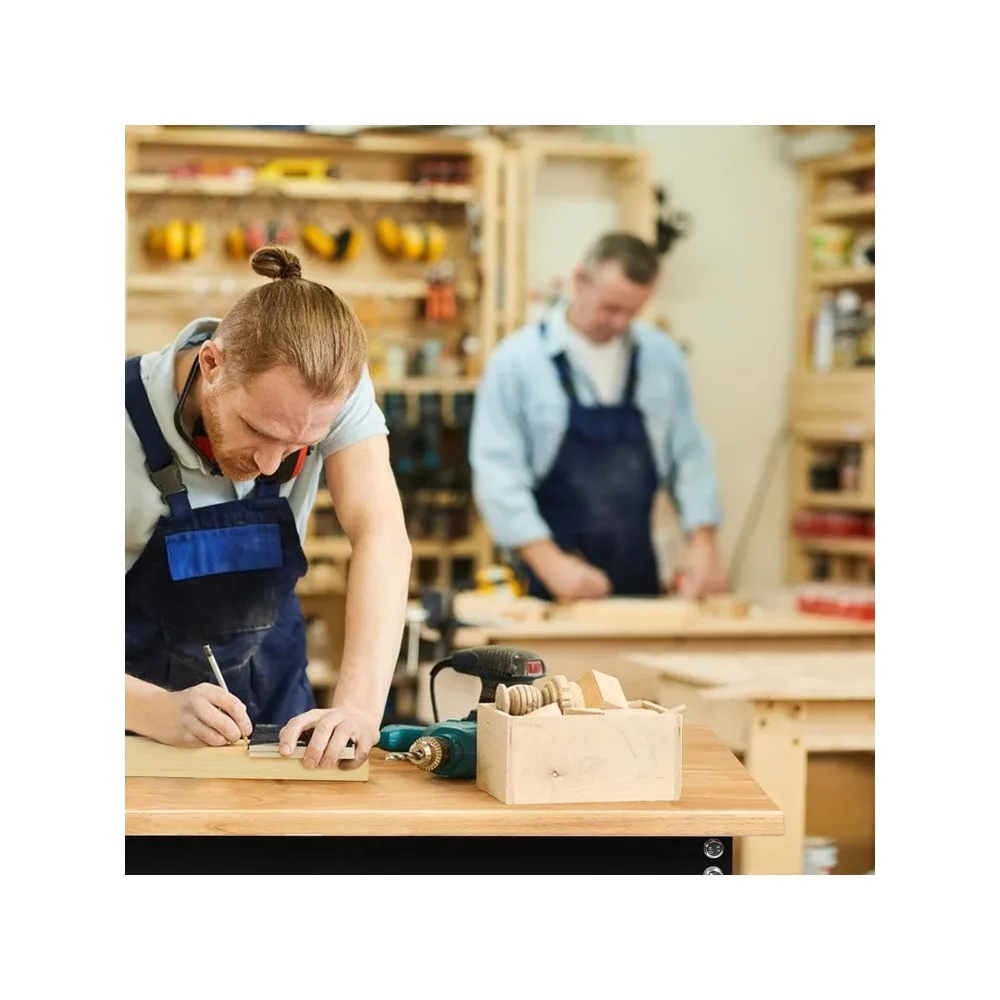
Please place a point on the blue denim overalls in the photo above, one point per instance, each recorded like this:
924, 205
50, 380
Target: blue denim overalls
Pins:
223, 574
597, 498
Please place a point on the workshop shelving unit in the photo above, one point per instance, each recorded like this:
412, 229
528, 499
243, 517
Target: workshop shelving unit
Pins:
370, 176
832, 413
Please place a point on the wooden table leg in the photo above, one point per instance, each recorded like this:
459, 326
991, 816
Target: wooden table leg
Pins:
776, 758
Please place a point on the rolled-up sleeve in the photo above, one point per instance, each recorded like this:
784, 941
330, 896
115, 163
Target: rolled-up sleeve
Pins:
502, 479
691, 461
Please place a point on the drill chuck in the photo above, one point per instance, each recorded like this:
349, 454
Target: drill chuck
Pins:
429, 753
446, 749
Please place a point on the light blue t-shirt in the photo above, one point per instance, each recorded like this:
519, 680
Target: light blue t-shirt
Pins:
359, 419
521, 414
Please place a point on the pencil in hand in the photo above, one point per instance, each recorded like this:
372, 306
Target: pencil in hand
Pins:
215, 667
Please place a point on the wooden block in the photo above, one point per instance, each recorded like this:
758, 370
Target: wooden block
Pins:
545, 710
584, 711
649, 705
618, 757
145, 758
602, 691
626, 609
727, 605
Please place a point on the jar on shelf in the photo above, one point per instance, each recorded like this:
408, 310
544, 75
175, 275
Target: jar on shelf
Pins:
848, 323
850, 469
824, 477
866, 336
830, 246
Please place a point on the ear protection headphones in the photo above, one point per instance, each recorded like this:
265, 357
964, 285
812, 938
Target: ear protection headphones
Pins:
246, 238
339, 245
178, 239
411, 241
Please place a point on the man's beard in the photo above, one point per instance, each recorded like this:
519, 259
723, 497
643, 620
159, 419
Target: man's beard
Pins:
232, 466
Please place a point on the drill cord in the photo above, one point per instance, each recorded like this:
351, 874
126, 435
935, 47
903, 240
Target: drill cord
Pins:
440, 665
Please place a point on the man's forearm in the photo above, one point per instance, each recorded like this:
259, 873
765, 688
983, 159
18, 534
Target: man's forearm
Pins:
703, 533
377, 590
539, 554
142, 704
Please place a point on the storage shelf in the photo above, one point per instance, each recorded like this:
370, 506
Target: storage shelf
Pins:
855, 207
308, 190
837, 501
828, 411
844, 277
419, 383
187, 284
288, 143
572, 149
862, 547
848, 164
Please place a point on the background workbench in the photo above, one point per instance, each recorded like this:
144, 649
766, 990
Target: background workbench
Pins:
775, 710
575, 647
719, 799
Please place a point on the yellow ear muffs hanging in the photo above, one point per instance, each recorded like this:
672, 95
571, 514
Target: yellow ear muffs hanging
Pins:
176, 240
348, 241
412, 241
342, 245
236, 243
388, 236
317, 239
435, 242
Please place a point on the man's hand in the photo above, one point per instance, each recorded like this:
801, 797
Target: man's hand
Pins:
567, 577
203, 715
703, 572
332, 729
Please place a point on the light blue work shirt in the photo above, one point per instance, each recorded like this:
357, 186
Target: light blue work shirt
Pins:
521, 415
360, 418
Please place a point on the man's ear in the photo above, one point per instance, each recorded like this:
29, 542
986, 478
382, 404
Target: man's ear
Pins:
210, 360
580, 277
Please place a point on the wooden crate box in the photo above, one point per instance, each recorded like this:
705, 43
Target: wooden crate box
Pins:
621, 756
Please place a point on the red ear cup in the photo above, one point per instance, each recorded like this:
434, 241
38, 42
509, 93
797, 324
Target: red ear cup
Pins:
256, 236
300, 461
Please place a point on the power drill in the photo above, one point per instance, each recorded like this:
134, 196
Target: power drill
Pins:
493, 665
446, 749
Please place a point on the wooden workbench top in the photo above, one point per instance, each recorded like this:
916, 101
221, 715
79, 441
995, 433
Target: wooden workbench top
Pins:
833, 676
763, 625
718, 798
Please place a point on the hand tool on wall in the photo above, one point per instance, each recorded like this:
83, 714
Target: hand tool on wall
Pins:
446, 749
431, 431
440, 303
462, 407
493, 665
296, 168
400, 441
669, 227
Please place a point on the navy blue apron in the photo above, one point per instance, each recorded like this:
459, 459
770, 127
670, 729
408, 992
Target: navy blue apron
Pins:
223, 574
597, 498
